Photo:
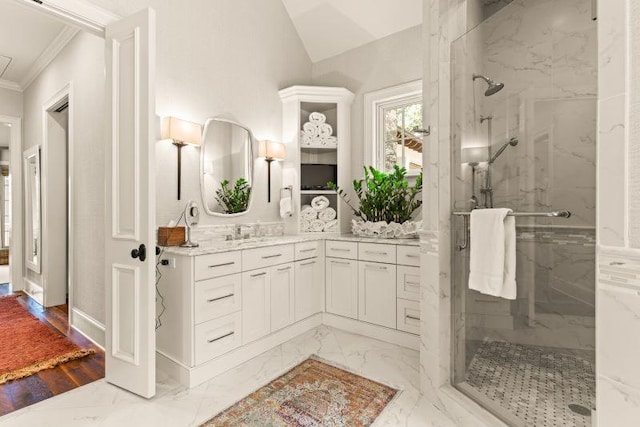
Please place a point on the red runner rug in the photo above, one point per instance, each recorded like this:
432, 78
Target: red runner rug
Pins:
28, 346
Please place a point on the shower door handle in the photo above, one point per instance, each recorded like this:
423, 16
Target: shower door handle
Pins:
465, 231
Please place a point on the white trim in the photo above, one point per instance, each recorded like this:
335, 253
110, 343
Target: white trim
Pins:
47, 107
10, 85
86, 325
403, 339
79, 13
373, 101
48, 55
16, 255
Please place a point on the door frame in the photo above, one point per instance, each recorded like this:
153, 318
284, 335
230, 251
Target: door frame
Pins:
16, 256
51, 104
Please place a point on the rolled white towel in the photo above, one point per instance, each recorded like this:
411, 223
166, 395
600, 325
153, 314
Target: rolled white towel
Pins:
309, 214
327, 214
305, 225
306, 139
325, 129
305, 207
317, 226
331, 226
320, 202
317, 118
311, 129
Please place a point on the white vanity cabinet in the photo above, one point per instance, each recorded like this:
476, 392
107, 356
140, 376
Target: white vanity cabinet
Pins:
225, 308
376, 283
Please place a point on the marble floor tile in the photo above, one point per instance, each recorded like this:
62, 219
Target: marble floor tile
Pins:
101, 404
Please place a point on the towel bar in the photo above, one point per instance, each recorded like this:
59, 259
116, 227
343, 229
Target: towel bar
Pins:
467, 215
554, 214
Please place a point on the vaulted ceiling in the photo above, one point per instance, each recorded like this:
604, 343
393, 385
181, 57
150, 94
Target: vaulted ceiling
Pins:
24, 35
330, 27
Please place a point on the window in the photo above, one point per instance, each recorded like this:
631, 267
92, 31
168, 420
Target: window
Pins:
391, 116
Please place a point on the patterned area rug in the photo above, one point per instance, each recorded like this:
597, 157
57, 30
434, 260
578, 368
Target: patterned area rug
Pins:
28, 346
311, 394
535, 384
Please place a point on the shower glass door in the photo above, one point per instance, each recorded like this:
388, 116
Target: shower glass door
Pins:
524, 137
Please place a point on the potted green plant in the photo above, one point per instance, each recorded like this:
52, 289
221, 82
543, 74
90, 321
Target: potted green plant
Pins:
387, 203
234, 199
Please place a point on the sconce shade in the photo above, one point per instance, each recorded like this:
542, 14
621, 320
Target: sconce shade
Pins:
181, 131
270, 150
475, 154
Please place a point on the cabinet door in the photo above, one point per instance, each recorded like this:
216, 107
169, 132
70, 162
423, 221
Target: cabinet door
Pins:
309, 289
256, 305
281, 283
377, 293
342, 287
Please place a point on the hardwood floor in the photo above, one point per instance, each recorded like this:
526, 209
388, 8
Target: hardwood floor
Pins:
17, 394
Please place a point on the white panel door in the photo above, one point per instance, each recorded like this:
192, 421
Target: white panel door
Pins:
377, 293
256, 305
130, 204
281, 284
342, 287
309, 288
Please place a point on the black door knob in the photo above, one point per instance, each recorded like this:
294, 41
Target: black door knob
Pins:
140, 253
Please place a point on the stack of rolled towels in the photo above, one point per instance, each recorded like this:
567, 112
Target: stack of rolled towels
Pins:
317, 132
318, 217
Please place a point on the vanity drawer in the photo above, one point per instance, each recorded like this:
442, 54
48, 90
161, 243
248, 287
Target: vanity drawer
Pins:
253, 259
217, 337
377, 252
408, 316
409, 255
340, 249
408, 282
216, 265
306, 250
217, 297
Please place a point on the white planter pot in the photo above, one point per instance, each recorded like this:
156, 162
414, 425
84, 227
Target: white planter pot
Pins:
385, 230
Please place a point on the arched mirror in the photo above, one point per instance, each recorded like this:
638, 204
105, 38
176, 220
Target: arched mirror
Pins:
226, 168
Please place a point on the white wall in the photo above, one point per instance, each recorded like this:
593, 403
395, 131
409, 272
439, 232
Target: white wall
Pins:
81, 62
223, 58
618, 298
10, 103
390, 61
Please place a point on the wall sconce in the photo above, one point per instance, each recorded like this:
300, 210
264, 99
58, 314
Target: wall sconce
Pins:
473, 156
182, 133
270, 151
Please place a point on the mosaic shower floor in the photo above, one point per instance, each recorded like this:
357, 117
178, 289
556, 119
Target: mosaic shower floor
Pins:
535, 384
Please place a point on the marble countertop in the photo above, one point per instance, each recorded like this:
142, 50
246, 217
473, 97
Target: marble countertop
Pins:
219, 246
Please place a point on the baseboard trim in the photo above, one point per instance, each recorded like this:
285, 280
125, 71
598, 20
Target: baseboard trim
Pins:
192, 377
93, 330
403, 339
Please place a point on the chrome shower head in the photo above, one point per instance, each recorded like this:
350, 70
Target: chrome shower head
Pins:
494, 87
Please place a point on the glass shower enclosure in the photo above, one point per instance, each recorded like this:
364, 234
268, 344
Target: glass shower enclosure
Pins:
524, 137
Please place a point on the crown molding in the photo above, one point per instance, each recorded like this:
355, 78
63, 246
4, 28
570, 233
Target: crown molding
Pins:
8, 84
48, 55
80, 13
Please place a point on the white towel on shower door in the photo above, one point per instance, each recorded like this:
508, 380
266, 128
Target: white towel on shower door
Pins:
492, 262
